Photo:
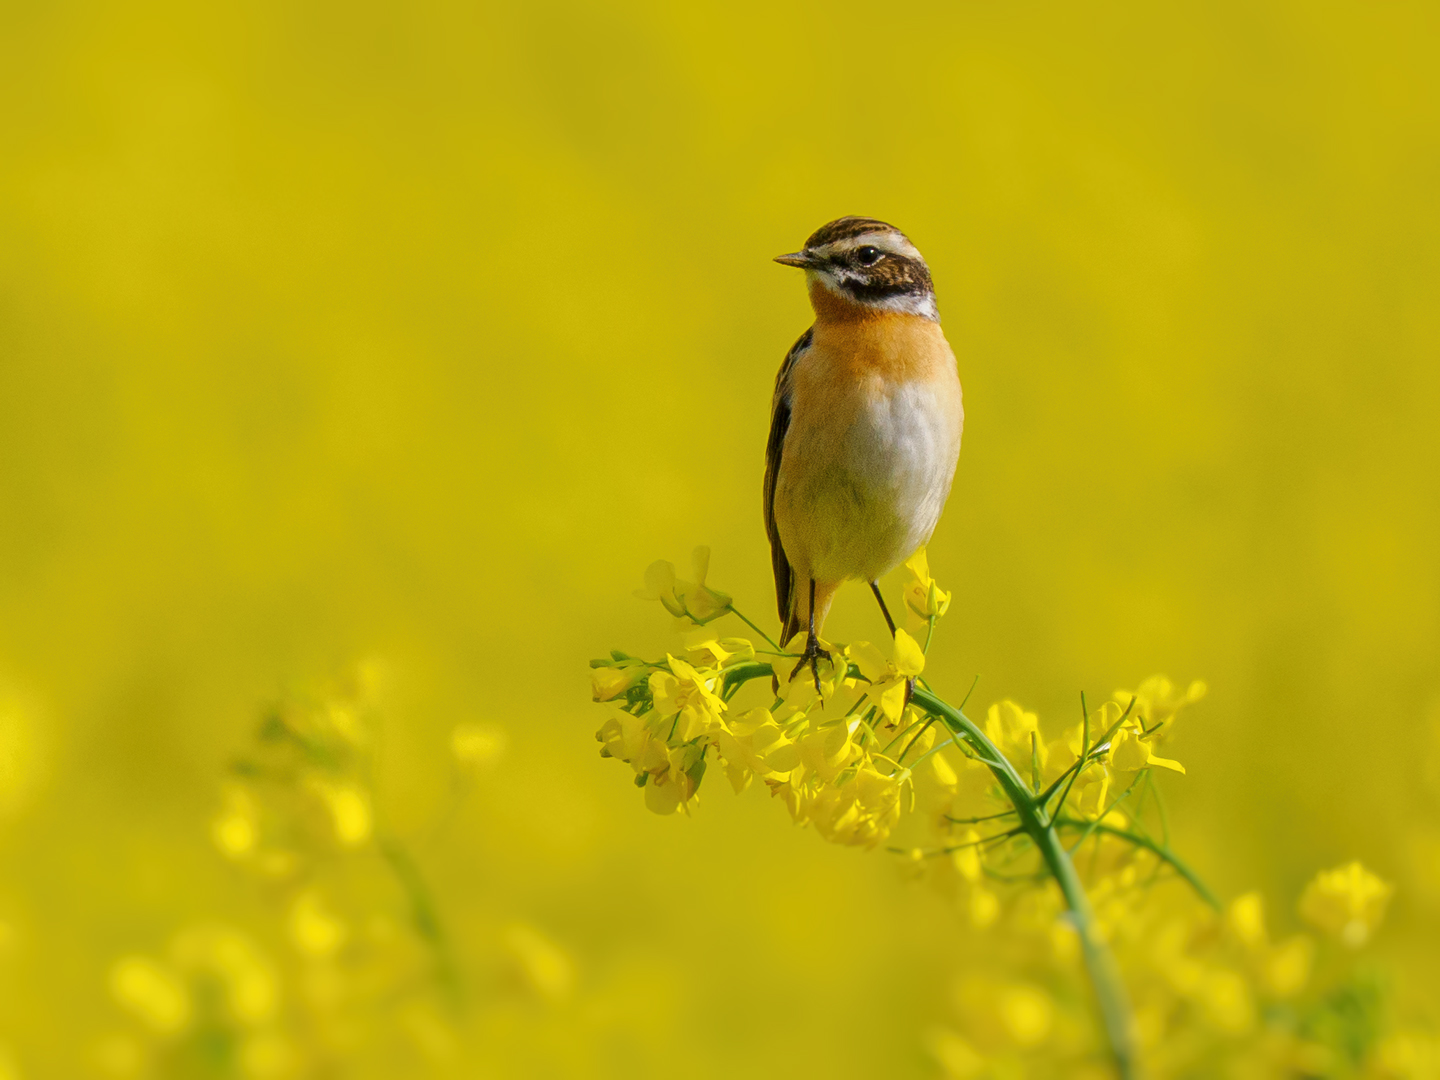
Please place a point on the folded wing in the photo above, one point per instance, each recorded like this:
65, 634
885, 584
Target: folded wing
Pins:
774, 451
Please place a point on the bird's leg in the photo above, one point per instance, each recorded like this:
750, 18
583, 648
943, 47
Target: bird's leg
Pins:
875, 588
813, 652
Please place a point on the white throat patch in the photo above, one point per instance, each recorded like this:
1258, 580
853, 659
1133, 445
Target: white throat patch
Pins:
922, 304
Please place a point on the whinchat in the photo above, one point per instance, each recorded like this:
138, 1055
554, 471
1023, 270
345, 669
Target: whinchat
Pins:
865, 424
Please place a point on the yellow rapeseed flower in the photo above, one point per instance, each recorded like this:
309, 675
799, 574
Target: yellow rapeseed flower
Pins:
888, 678
922, 595
1347, 902
1130, 750
685, 693
610, 681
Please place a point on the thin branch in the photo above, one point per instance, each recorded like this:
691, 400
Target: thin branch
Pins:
911, 744
740, 615
976, 820
1084, 753
1149, 845
966, 699
1006, 835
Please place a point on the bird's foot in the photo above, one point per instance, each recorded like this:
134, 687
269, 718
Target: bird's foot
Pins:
812, 655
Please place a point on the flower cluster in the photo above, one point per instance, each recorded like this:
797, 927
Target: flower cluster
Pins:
352, 972
1214, 993
298, 817
841, 756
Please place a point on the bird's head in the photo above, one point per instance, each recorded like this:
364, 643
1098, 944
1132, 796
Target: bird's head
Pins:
867, 263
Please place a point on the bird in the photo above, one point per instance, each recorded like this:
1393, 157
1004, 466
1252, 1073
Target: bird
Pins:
865, 425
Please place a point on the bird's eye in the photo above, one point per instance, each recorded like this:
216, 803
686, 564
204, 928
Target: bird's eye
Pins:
867, 256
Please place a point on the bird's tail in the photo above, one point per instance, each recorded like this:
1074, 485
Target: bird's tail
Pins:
791, 626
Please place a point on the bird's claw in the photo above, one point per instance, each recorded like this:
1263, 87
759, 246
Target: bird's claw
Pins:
812, 655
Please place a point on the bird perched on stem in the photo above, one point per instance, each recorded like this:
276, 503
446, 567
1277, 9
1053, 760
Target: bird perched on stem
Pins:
864, 425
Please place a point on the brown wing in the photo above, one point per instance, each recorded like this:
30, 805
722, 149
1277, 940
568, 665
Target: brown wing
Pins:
774, 450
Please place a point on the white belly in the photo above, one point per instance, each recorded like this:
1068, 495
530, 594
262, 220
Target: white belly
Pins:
879, 488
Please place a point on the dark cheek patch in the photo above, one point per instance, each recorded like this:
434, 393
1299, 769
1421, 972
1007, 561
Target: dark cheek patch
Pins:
892, 276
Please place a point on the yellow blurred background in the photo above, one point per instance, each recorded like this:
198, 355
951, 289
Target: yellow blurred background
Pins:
333, 332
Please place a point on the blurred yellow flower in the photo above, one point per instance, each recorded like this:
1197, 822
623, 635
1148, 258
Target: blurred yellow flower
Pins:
153, 992
1246, 919
966, 856
477, 745
702, 603
1026, 1013
1287, 966
983, 908
692, 600
1347, 903
1016, 733
313, 929
1157, 700
349, 808
1226, 999
251, 989
956, 1057
542, 966
236, 828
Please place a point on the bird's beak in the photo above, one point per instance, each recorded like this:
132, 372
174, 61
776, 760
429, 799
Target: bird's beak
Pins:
798, 258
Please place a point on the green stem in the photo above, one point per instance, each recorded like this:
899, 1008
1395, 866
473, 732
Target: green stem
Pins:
736, 612
742, 673
423, 915
1109, 990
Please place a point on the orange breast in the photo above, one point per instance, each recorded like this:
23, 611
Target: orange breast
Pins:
861, 344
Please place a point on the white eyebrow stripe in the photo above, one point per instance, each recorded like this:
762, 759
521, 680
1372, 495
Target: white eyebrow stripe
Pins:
890, 242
